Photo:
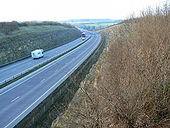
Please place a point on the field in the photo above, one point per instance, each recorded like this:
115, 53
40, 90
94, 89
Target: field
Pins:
19, 43
99, 24
32, 29
93, 24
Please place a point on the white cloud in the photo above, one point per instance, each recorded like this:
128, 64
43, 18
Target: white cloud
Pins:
23, 10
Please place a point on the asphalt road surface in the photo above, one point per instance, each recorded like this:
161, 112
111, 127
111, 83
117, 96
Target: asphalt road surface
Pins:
9, 71
27, 93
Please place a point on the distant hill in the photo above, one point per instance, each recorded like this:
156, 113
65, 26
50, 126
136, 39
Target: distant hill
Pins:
93, 24
93, 20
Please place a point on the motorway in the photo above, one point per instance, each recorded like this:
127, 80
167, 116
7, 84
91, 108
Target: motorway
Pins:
9, 71
27, 93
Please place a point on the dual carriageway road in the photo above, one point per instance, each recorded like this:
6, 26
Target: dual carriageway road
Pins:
21, 97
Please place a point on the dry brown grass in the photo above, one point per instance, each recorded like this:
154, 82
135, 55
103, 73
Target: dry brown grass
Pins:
130, 86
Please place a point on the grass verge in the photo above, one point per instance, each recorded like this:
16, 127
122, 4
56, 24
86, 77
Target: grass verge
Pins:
18, 44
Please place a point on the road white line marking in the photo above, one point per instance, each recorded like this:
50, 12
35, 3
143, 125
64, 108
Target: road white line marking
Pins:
40, 98
42, 81
15, 99
41, 70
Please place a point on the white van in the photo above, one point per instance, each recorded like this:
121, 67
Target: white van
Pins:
37, 53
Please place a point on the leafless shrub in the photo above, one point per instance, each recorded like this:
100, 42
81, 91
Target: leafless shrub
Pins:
131, 88
138, 74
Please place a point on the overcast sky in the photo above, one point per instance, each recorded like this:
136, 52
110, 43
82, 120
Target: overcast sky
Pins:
56, 10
